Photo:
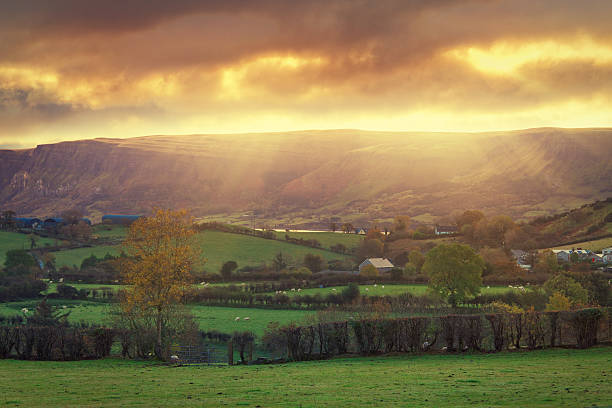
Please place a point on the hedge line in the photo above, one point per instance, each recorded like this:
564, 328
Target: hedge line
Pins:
55, 343
452, 333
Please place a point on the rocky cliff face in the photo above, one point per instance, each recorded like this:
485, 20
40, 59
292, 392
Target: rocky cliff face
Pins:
324, 172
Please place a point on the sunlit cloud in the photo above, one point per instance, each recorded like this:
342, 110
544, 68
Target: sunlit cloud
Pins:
506, 57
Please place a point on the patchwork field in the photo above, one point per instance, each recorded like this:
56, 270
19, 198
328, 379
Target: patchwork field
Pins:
327, 239
14, 240
545, 378
217, 247
208, 317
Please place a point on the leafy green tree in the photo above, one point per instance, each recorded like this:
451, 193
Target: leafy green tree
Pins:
279, 262
18, 262
369, 271
558, 302
417, 259
314, 262
45, 315
228, 269
89, 262
568, 287
410, 271
455, 271
351, 292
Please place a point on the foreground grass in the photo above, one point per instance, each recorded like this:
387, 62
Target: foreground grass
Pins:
548, 378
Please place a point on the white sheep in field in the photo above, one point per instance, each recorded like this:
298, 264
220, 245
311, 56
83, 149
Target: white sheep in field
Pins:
202, 283
24, 310
383, 286
236, 319
293, 289
333, 289
246, 318
367, 289
299, 289
375, 285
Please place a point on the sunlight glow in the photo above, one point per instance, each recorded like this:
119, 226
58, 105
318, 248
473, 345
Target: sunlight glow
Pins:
506, 57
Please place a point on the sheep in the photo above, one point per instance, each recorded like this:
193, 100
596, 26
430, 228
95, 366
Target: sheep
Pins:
333, 289
61, 280
64, 307
383, 286
246, 318
174, 359
375, 285
202, 283
426, 345
237, 318
24, 310
299, 289
367, 289
293, 289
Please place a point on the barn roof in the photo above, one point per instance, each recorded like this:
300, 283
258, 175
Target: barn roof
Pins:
379, 262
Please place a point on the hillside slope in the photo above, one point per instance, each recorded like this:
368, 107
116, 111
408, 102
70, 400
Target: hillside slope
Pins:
347, 173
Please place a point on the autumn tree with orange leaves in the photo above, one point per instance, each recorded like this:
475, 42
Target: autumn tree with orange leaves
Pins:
161, 256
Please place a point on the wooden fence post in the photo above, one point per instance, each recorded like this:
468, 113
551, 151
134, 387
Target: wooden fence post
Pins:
250, 351
230, 352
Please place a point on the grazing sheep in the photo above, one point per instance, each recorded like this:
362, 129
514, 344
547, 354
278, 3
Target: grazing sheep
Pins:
367, 289
64, 307
236, 319
293, 289
299, 289
246, 318
174, 359
61, 280
333, 289
426, 345
375, 285
201, 283
444, 348
24, 310
383, 286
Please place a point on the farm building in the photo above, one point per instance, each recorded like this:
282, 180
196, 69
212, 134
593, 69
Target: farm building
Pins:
25, 222
521, 258
381, 264
117, 219
606, 255
445, 229
51, 224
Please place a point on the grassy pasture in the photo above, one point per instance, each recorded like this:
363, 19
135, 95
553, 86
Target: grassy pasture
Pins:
545, 378
327, 239
217, 247
15, 240
389, 290
208, 317
595, 245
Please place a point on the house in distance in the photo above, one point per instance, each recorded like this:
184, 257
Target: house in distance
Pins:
445, 229
381, 264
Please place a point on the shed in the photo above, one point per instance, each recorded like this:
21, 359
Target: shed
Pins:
381, 264
27, 222
445, 229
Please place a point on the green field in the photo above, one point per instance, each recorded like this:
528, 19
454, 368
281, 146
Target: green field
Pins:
327, 239
217, 248
595, 245
14, 240
109, 231
545, 378
72, 257
388, 290
208, 317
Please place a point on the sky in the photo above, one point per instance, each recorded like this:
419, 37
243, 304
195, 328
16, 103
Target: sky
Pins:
73, 69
